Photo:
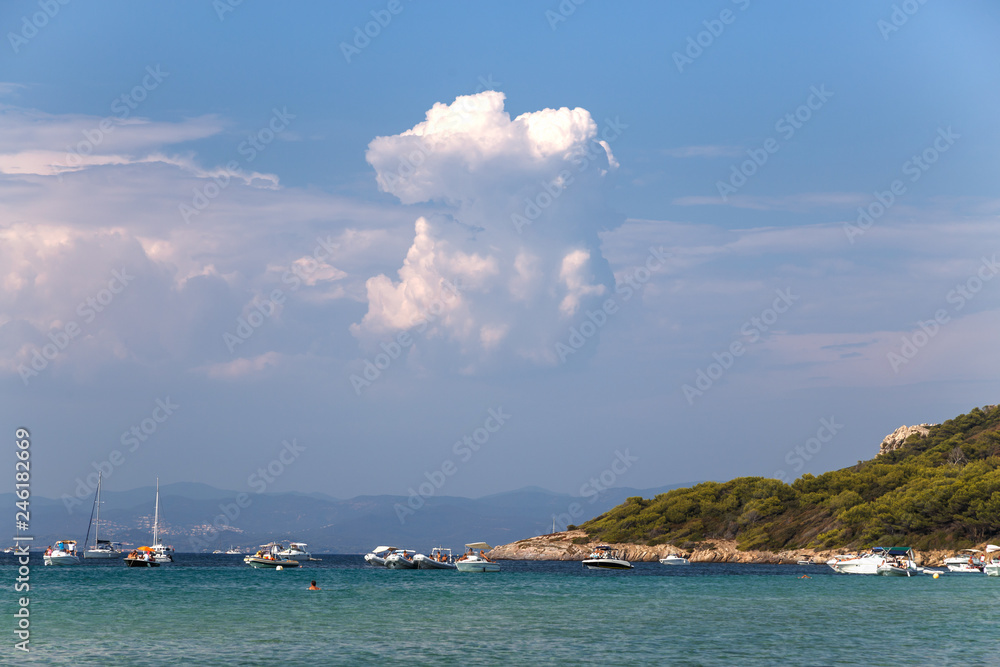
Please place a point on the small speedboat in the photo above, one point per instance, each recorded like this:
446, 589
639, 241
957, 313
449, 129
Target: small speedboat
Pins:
296, 550
142, 557
898, 562
377, 555
400, 560
991, 567
605, 558
267, 558
860, 563
674, 559
63, 553
473, 562
969, 562
440, 559
233, 551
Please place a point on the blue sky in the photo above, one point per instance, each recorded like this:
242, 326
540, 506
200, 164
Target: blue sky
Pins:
336, 267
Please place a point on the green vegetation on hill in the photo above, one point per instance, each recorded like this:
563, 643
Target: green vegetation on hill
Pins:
941, 491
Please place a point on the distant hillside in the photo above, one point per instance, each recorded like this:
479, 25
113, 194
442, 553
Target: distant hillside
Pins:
327, 524
941, 490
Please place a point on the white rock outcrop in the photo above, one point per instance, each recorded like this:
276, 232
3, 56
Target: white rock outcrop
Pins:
895, 440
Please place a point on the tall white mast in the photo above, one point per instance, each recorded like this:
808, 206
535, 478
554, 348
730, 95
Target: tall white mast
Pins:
97, 525
156, 513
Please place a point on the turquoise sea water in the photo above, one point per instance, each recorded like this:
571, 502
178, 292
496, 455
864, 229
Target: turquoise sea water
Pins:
214, 610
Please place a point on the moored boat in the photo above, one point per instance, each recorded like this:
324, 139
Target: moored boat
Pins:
377, 555
473, 562
101, 548
267, 558
898, 562
992, 564
440, 559
969, 562
604, 557
141, 557
161, 552
233, 551
400, 560
674, 559
296, 550
860, 563
63, 553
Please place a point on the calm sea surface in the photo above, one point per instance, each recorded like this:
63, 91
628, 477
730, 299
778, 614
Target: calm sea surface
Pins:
214, 610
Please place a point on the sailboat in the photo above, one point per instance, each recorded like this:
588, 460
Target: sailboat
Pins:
101, 548
161, 553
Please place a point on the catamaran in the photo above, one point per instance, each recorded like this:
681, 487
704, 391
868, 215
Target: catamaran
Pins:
101, 548
161, 552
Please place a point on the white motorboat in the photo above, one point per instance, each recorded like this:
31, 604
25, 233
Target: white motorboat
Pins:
63, 553
233, 551
377, 555
992, 563
674, 559
970, 562
296, 550
440, 559
267, 557
473, 562
604, 557
898, 562
401, 560
101, 548
861, 563
161, 552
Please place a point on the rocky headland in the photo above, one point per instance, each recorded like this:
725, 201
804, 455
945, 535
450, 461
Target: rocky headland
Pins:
561, 546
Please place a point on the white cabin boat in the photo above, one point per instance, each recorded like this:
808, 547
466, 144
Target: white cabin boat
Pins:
674, 559
440, 559
860, 563
63, 553
267, 558
296, 550
473, 562
604, 557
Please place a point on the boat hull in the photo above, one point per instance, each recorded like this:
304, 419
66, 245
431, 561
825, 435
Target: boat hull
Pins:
269, 564
857, 566
102, 554
426, 563
674, 560
400, 563
61, 559
477, 566
607, 564
140, 562
895, 571
992, 570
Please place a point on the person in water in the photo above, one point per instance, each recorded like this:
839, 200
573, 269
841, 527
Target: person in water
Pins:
314, 587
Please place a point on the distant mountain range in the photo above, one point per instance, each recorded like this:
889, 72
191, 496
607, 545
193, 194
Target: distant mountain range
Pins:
197, 517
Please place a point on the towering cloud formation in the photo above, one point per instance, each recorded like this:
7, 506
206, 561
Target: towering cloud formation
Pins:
520, 245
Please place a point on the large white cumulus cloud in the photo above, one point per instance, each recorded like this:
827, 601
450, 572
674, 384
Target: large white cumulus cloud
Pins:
519, 239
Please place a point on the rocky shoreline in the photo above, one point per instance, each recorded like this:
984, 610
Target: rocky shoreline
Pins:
560, 546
